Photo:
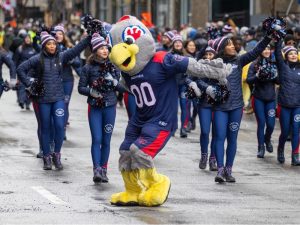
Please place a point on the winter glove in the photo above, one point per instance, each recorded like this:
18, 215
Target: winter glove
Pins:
109, 77
211, 91
95, 94
195, 88
12, 83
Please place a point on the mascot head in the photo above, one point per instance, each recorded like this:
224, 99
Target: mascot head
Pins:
133, 45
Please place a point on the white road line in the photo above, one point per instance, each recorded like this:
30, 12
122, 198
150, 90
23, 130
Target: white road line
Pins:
48, 195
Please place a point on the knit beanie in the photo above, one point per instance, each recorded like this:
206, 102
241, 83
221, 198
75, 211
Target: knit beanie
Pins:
170, 34
227, 29
177, 37
220, 43
288, 49
45, 37
210, 49
59, 27
97, 42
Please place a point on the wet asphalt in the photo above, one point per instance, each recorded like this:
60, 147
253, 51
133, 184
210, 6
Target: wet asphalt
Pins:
265, 192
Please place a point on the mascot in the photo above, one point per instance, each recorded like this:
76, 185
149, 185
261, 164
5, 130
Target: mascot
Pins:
150, 76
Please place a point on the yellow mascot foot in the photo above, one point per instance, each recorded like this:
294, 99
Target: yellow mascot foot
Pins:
158, 188
132, 190
124, 199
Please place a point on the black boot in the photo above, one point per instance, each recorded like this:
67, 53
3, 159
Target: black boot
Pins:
220, 178
97, 176
295, 159
203, 161
47, 163
261, 151
269, 146
280, 155
189, 127
56, 161
229, 178
183, 133
213, 164
193, 123
103, 174
40, 154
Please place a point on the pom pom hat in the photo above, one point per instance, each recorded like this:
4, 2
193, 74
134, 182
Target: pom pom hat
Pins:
97, 42
45, 37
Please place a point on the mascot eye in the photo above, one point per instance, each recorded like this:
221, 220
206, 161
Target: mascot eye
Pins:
129, 40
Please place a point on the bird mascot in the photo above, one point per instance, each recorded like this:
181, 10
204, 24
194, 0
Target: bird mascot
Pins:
150, 77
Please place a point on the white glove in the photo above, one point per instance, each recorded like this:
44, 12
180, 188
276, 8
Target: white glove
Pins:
210, 91
12, 83
108, 76
195, 88
95, 94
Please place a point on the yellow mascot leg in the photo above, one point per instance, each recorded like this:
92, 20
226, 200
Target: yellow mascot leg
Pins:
132, 190
158, 187
132, 186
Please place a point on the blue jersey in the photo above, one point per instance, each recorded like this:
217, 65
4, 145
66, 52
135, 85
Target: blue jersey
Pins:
155, 90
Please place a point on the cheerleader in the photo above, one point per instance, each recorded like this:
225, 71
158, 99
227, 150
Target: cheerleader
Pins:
262, 75
227, 117
47, 66
289, 100
101, 103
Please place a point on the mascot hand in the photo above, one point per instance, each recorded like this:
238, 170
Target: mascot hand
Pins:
211, 91
195, 88
95, 94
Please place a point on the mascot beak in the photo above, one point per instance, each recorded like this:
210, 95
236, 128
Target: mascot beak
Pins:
124, 56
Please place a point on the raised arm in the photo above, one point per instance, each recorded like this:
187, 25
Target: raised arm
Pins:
254, 53
278, 55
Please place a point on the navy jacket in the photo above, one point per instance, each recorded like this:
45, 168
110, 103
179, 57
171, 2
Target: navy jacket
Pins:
4, 58
91, 72
67, 72
52, 71
262, 90
23, 53
289, 78
235, 78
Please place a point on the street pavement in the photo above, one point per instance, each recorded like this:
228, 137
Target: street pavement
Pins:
265, 192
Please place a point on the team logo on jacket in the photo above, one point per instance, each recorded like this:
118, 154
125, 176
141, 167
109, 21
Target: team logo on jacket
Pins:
271, 113
297, 118
178, 57
59, 112
234, 126
108, 128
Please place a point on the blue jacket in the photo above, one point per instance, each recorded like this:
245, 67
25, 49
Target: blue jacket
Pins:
23, 53
51, 71
91, 72
263, 90
235, 99
4, 58
289, 78
67, 72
